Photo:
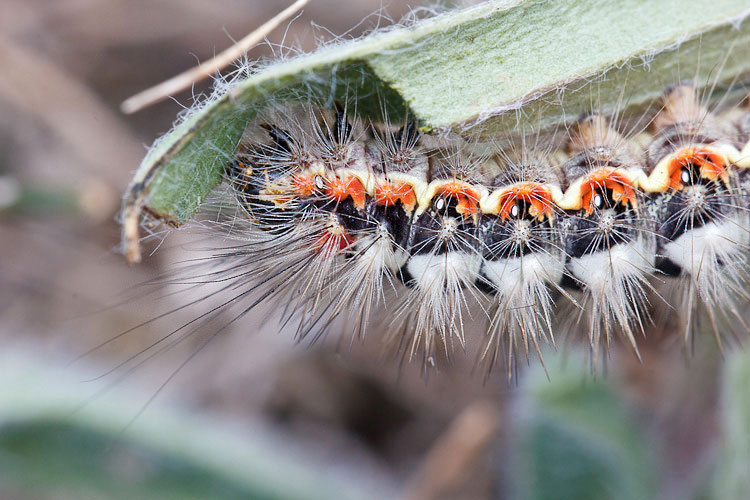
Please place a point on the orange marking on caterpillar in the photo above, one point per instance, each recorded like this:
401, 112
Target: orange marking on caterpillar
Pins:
332, 241
244, 177
535, 195
468, 199
710, 164
387, 194
339, 190
618, 182
304, 185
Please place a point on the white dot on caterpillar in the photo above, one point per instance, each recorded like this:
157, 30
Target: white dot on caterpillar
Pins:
514, 211
607, 222
685, 176
334, 226
696, 199
440, 204
319, 182
598, 201
522, 233
449, 228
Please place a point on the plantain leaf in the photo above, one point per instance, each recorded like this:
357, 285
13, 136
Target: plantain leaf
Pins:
577, 441
732, 474
56, 441
490, 67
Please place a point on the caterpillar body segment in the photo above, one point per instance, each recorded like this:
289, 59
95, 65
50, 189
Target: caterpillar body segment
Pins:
318, 184
695, 197
609, 242
444, 249
523, 260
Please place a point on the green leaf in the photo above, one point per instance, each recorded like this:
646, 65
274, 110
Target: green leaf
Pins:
578, 442
733, 468
42, 456
472, 67
58, 442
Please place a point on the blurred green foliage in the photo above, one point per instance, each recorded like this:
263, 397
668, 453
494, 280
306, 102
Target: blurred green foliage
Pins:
73, 461
579, 442
57, 441
574, 438
732, 481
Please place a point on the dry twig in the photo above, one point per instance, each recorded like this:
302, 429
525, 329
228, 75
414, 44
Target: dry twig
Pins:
184, 80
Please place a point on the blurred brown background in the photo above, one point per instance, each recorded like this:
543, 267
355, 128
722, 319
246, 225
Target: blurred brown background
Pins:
66, 155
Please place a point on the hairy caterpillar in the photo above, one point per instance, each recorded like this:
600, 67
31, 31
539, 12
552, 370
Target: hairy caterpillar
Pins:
346, 220
352, 225
433, 242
